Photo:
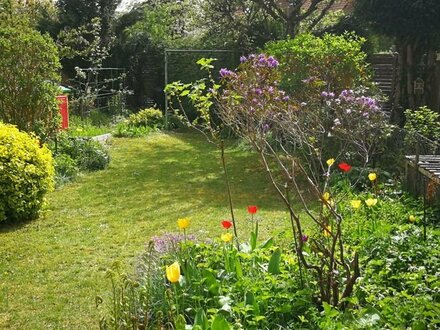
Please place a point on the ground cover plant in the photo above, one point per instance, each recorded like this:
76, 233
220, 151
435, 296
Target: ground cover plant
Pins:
54, 267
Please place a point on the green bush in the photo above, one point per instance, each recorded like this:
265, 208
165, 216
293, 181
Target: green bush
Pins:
149, 117
88, 154
423, 121
313, 64
123, 129
26, 174
29, 75
66, 169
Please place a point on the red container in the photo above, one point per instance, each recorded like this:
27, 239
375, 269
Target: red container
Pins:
63, 105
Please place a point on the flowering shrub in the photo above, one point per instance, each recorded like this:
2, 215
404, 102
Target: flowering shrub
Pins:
304, 137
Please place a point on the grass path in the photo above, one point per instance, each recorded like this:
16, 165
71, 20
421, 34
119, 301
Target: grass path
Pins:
52, 269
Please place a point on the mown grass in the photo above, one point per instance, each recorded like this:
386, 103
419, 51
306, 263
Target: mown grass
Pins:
52, 269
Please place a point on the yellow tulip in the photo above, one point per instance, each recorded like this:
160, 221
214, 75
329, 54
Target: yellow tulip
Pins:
326, 196
327, 231
173, 272
372, 176
371, 202
183, 223
356, 203
330, 161
226, 237
412, 218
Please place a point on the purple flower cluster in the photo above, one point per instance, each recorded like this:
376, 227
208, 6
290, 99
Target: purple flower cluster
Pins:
168, 242
365, 102
327, 95
261, 60
226, 73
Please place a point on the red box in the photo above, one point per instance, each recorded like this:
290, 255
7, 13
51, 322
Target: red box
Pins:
63, 105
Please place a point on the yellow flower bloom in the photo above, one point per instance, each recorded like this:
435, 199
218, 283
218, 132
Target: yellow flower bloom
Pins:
326, 196
183, 223
412, 218
371, 202
372, 176
327, 231
173, 272
330, 161
356, 203
226, 237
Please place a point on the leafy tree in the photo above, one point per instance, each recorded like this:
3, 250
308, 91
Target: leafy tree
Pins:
238, 24
415, 25
293, 12
28, 79
85, 26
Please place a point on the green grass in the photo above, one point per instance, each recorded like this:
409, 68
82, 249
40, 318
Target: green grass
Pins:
52, 269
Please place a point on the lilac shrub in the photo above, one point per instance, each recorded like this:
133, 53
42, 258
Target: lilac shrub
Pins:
298, 141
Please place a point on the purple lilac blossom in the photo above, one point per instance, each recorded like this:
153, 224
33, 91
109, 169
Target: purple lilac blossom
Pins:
243, 59
225, 72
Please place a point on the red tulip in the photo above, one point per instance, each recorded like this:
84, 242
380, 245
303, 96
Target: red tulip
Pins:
252, 209
344, 167
226, 224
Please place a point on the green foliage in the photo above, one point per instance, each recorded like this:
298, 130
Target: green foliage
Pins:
150, 117
408, 18
26, 174
122, 129
66, 169
424, 122
96, 124
140, 124
83, 44
82, 153
220, 288
28, 80
401, 280
312, 64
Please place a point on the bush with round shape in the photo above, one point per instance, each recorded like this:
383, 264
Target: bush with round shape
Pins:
26, 174
149, 117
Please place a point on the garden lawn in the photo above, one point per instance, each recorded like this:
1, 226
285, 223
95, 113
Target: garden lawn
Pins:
53, 270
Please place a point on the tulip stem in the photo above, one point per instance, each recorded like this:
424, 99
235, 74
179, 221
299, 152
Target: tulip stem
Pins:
177, 299
228, 186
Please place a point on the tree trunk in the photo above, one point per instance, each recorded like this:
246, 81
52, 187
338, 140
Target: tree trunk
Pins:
410, 49
397, 116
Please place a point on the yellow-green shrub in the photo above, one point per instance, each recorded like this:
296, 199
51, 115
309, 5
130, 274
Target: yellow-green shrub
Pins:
26, 174
149, 117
